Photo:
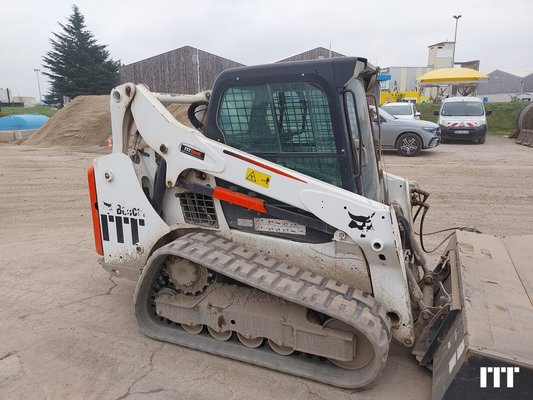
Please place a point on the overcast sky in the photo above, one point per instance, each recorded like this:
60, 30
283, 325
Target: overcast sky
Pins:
387, 32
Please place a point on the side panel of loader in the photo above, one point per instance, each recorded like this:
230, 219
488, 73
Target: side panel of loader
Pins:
488, 351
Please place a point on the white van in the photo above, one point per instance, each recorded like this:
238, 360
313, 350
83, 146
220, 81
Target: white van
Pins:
463, 118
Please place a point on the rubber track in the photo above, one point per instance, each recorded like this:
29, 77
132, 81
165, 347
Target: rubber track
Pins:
324, 295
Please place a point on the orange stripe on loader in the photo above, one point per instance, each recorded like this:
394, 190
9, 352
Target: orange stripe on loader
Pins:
239, 199
94, 210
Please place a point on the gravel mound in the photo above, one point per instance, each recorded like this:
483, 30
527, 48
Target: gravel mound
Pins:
85, 122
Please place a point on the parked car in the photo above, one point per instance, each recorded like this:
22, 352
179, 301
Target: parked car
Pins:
408, 137
404, 110
463, 118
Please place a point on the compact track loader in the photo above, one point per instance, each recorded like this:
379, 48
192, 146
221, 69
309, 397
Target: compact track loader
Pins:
269, 234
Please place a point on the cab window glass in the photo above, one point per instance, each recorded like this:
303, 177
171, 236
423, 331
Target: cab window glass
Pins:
292, 119
360, 127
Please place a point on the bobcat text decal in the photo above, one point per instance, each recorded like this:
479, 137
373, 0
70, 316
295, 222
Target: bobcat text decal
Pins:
121, 216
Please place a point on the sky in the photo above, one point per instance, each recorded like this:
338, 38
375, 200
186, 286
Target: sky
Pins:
388, 32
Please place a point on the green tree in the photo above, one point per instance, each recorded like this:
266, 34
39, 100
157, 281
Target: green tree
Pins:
77, 64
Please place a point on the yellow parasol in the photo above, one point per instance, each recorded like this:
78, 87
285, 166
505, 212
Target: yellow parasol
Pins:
450, 75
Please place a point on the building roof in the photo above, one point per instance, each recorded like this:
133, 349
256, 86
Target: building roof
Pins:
405, 66
438, 44
314, 53
178, 49
521, 73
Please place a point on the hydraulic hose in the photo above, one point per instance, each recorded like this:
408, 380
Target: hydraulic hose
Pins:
159, 186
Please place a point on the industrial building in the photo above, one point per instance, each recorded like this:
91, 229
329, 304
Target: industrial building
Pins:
185, 70
190, 70
403, 79
507, 85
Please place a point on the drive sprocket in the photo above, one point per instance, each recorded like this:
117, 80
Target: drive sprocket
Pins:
188, 277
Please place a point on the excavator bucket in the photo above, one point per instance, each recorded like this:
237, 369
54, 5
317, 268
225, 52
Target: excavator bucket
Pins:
487, 352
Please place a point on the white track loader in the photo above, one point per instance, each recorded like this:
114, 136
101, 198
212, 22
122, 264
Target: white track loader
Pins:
269, 234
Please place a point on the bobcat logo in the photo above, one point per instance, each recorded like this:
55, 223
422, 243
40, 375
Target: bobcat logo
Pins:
109, 207
364, 224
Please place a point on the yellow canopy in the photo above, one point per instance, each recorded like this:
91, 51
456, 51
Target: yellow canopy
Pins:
452, 75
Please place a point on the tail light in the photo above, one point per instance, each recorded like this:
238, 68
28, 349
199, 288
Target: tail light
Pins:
94, 210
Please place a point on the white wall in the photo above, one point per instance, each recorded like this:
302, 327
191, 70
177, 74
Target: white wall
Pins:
440, 56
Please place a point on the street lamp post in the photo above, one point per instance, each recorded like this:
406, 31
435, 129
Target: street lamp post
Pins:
37, 70
455, 38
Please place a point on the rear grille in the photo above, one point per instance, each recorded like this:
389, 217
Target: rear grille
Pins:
198, 209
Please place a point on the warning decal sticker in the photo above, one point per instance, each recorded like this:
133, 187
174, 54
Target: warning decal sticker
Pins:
257, 177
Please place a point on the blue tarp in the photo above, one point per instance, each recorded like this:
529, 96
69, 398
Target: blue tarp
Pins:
22, 122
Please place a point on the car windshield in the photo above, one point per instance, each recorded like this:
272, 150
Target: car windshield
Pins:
385, 114
462, 108
397, 109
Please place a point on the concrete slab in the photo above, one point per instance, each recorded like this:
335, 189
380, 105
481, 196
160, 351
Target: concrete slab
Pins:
14, 136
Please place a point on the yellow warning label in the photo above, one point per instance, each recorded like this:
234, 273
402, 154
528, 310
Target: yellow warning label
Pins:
257, 177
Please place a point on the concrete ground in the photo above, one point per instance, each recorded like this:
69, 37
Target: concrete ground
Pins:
67, 330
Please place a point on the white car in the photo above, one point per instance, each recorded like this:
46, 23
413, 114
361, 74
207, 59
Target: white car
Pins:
402, 110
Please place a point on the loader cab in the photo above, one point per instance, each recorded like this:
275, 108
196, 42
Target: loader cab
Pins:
309, 116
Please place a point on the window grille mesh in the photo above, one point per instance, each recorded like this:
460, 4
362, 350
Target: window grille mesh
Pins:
290, 119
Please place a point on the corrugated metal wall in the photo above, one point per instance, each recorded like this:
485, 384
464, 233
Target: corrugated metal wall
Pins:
528, 83
503, 82
177, 71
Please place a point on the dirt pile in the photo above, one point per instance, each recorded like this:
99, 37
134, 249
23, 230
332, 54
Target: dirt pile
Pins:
179, 111
83, 122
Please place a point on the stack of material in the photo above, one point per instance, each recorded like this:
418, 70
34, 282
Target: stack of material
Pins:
179, 111
85, 122
525, 126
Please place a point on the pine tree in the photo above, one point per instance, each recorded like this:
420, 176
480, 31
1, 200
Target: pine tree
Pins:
78, 65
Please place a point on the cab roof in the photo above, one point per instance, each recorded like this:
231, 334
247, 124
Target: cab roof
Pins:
338, 71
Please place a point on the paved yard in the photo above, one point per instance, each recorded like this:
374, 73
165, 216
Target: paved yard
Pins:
67, 330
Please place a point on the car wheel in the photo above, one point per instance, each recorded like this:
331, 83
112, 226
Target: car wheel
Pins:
409, 145
481, 140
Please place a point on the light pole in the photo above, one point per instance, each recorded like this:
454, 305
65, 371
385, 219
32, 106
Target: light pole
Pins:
455, 38
37, 70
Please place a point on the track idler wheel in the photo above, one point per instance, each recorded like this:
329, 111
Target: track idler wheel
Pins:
283, 350
222, 335
250, 342
364, 352
195, 329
